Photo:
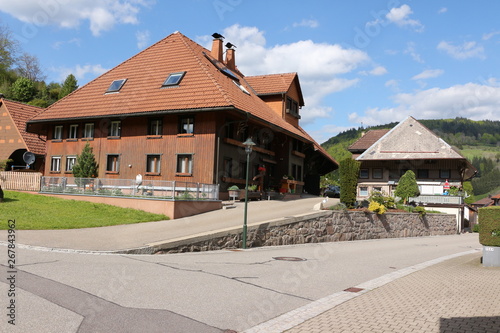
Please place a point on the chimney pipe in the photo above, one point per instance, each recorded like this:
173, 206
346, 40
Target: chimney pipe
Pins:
217, 47
230, 56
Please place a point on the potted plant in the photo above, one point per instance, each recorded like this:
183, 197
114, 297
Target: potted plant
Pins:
489, 235
234, 191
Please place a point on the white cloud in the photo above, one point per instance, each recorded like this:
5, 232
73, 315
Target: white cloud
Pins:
320, 65
464, 51
59, 44
101, 15
442, 10
376, 71
327, 131
471, 100
306, 23
411, 50
400, 17
490, 35
80, 72
142, 38
393, 84
428, 73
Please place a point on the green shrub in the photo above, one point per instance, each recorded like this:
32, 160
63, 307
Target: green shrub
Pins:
420, 210
382, 199
489, 230
376, 208
339, 206
349, 171
475, 228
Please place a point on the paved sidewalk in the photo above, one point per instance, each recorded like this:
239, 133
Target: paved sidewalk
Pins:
141, 235
455, 295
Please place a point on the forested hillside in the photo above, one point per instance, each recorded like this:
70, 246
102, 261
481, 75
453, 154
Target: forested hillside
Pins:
479, 141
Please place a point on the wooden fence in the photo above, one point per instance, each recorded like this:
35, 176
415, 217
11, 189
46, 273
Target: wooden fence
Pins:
20, 181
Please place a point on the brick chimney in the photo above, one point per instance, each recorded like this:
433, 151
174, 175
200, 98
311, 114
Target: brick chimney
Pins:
230, 56
217, 46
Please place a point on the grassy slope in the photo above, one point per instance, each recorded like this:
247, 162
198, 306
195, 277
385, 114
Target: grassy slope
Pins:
32, 211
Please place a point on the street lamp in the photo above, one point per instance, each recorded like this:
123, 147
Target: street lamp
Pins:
248, 149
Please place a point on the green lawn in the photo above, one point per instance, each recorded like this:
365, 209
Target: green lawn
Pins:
37, 212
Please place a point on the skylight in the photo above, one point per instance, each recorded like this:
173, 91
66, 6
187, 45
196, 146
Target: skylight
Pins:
173, 79
241, 87
223, 69
116, 85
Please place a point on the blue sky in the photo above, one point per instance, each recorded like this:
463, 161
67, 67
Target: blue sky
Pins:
364, 62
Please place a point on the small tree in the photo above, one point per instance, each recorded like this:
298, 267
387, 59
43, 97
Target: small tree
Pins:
349, 171
85, 165
407, 186
23, 90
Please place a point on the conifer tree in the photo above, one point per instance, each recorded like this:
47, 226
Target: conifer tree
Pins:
349, 171
69, 85
86, 165
407, 186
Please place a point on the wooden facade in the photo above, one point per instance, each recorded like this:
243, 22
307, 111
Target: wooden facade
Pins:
191, 130
14, 141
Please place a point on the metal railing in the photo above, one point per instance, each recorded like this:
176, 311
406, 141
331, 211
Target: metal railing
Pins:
438, 199
154, 189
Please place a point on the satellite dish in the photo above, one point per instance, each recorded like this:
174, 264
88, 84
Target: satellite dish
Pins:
29, 157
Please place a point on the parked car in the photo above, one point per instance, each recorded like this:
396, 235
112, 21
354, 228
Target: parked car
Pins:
332, 191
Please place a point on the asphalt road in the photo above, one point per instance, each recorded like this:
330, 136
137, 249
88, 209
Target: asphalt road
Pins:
61, 291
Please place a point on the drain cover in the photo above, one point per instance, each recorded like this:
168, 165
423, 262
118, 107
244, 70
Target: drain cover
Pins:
353, 290
289, 258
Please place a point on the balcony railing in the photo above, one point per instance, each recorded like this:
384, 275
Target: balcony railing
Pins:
438, 199
152, 189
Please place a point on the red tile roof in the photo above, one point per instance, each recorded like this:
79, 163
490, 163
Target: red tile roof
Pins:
367, 140
20, 114
272, 84
203, 87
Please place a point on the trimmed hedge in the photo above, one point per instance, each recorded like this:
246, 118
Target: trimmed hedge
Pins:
489, 226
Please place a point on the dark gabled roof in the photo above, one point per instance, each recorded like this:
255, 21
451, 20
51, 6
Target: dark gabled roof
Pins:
367, 140
20, 114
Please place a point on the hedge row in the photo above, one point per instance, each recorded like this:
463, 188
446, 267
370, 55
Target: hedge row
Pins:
489, 226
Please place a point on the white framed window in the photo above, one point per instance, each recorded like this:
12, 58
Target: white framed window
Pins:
185, 164
73, 131
113, 163
88, 131
363, 191
70, 163
55, 164
153, 163
58, 130
115, 128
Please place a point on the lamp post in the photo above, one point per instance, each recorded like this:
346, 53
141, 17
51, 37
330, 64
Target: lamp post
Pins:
248, 149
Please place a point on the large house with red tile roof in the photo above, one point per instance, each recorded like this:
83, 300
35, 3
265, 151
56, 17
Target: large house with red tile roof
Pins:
177, 111
14, 140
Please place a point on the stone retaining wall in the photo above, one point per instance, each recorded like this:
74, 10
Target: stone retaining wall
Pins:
325, 226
